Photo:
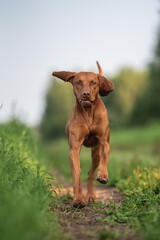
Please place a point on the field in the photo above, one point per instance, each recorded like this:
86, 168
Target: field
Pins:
129, 149
28, 209
134, 168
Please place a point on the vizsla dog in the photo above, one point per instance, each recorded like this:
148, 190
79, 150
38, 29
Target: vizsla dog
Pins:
89, 126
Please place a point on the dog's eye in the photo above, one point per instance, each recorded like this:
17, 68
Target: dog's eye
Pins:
78, 83
93, 83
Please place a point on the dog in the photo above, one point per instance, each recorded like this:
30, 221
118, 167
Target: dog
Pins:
89, 126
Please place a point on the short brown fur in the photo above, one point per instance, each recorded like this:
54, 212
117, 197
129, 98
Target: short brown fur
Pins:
89, 126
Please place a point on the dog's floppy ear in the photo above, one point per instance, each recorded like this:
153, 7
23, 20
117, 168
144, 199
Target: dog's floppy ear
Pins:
65, 76
105, 86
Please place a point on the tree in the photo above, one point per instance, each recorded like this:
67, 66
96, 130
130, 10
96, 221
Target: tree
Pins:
59, 101
129, 85
148, 105
154, 82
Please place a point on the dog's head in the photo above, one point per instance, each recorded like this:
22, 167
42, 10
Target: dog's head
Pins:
87, 85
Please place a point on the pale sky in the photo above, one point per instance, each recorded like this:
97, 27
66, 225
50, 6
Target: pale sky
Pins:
38, 37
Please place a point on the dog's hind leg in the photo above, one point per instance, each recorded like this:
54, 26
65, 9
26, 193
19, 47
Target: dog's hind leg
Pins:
102, 173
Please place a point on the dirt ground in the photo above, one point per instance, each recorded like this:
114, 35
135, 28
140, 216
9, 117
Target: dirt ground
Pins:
102, 193
87, 223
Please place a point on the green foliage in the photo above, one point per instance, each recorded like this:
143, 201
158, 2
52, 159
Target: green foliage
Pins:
141, 208
129, 85
59, 102
142, 180
24, 187
147, 107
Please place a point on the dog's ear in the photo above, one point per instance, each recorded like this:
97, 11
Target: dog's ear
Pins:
105, 86
65, 76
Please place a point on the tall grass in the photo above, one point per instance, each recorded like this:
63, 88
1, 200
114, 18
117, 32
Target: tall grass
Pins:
24, 187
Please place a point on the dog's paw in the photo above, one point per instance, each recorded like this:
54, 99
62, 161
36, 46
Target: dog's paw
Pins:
90, 198
102, 177
102, 180
79, 202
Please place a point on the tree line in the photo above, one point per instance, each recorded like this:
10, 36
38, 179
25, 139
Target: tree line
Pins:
135, 100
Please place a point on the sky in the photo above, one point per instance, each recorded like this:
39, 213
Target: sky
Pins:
38, 37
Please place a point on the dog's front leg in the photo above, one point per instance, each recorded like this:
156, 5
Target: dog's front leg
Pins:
102, 173
75, 148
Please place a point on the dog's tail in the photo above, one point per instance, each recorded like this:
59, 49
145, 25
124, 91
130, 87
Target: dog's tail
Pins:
99, 68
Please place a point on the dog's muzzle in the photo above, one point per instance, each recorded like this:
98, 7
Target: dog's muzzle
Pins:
85, 102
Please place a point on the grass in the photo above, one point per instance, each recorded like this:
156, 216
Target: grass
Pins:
25, 199
140, 210
24, 187
129, 149
134, 168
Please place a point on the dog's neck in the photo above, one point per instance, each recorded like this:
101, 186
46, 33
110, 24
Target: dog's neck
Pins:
87, 113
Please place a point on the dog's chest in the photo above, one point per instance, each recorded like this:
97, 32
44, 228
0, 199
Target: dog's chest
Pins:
90, 141
88, 118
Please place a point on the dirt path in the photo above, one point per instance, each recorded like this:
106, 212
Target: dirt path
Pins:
103, 194
87, 223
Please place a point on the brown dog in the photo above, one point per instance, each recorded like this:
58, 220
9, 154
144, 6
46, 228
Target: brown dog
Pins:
89, 126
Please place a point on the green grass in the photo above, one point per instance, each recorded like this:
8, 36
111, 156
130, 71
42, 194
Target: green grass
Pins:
129, 148
24, 187
141, 208
134, 167
136, 135
25, 197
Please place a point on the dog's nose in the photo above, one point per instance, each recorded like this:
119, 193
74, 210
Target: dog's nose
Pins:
86, 94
